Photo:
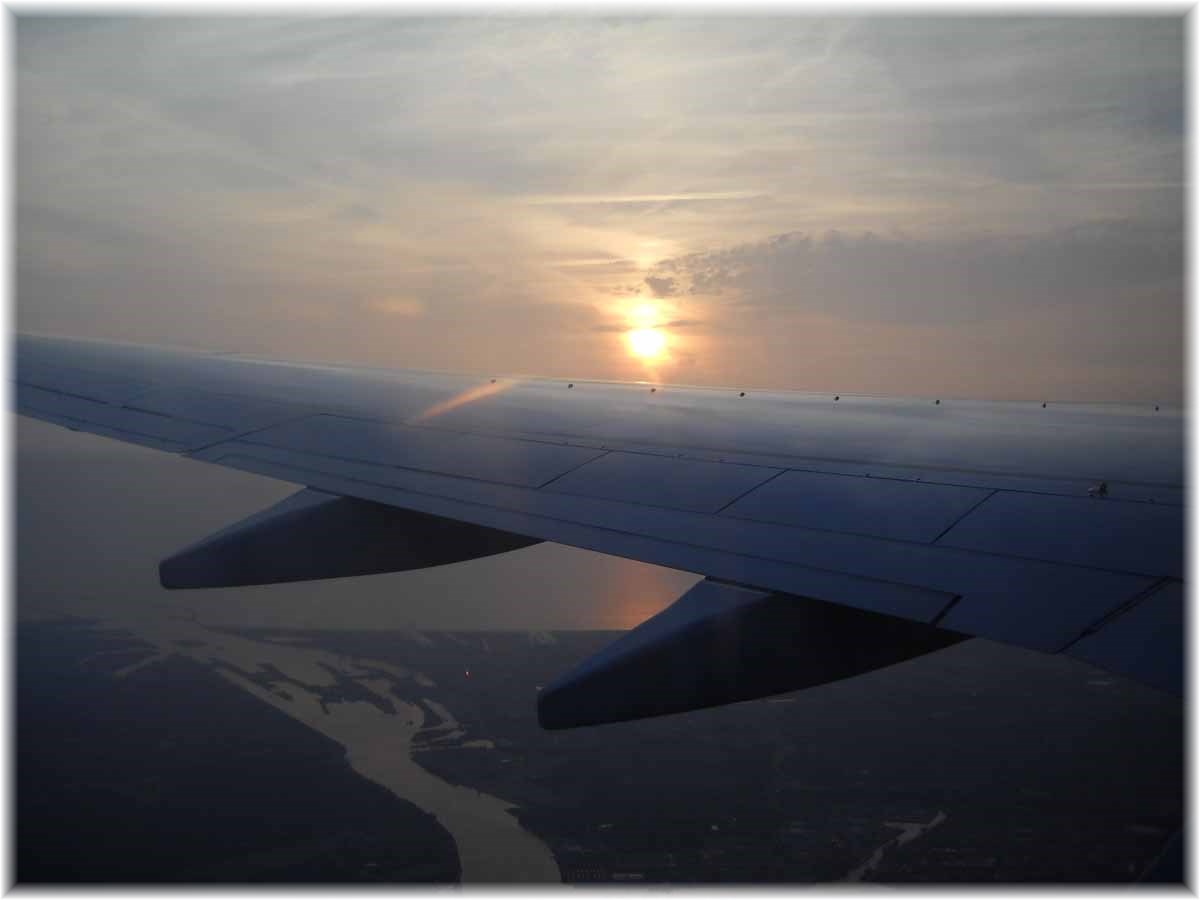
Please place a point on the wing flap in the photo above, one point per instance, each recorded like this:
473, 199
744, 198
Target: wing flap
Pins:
683, 484
1085, 531
233, 415
881, 507
484, 458
600, 527
135, 426
81, 383
1029, 602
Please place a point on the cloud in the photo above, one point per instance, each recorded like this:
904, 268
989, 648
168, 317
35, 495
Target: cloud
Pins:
972, 278
624, 290
661, 286
357, 212
398, 306
640, 200
673, 325
1093, 312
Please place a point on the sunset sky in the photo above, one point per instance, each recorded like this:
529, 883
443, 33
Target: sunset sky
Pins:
977, 207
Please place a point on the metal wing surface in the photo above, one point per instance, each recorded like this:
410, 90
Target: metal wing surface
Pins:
1057, 527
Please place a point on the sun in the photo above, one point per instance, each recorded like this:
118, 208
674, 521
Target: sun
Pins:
646, 343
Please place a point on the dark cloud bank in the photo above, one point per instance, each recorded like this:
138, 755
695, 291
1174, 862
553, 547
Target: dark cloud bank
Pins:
871, 277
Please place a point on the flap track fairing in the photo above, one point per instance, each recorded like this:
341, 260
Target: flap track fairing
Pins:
313, 535
720, 643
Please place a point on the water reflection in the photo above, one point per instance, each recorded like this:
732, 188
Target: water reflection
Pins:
637, 591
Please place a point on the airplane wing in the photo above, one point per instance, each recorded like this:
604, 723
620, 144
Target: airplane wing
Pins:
837, 533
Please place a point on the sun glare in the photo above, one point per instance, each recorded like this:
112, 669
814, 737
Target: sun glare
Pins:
644, 316
646, 343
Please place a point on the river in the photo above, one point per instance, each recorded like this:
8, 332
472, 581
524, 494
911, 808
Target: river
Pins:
492, 845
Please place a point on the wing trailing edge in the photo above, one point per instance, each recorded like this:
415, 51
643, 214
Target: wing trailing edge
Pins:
720, 643
313, 535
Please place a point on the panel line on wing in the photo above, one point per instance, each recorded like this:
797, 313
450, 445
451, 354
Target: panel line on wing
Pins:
107, 389
659, 482
118, 404
586, 462
549, 441
907, 511
242, 435
1144, 642
104, 418
1108, 570
973, 576
941, 475
1146, 539
418, 449
692, 519
751, 489
75, 424
270, 469
796, 462
1117, 611
982, 500
162, 415
945, 610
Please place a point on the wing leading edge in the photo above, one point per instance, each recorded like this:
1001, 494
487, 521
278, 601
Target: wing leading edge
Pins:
1060, 530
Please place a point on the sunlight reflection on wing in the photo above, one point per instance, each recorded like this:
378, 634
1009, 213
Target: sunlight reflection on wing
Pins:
470, 395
